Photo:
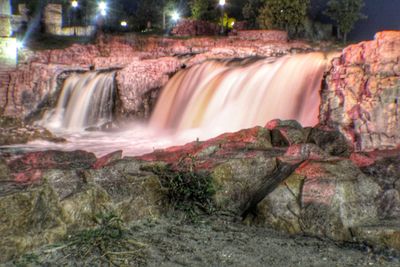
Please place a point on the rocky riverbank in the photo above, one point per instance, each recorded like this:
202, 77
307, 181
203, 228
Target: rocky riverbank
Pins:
304, 181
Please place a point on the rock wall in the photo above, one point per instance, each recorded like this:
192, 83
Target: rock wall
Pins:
267, 35
362, 93
189, 27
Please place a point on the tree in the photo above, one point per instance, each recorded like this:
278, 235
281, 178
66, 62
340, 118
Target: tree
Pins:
251, 11
289, 15
148, 14
204, 10
345, 13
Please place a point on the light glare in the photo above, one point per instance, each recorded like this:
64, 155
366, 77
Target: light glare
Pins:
102, 6
74, 4
175, 16
221, 2
20, 45
124, 23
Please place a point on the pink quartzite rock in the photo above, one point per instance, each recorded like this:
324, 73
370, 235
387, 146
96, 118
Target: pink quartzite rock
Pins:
265, 35
138, 79
362, 93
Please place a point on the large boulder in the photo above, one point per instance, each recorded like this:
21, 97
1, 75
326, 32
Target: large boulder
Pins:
362, 91
45, 195
139, 85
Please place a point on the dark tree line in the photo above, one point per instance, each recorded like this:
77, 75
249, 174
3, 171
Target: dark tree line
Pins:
290, 15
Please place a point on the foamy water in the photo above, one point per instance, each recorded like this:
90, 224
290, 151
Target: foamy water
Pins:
138, 140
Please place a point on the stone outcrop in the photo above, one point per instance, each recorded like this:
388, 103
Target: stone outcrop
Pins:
265, 35
362, 91
46, 195
139, 84
190, 27
13, 131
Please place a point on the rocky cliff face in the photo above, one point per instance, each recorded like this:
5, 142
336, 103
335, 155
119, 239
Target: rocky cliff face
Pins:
362, 93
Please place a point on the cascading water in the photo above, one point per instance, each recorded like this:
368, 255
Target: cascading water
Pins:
200, 102
217, 97
86, 100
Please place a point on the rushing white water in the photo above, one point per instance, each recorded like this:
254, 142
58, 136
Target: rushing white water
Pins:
201, 102
216, 97
86, 100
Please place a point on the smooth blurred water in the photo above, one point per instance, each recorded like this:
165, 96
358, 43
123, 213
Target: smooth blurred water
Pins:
199, 103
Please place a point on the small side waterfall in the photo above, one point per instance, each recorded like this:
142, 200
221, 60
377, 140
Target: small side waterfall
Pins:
86, 100
217, 97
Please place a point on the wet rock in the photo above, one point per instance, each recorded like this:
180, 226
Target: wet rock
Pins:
14, 131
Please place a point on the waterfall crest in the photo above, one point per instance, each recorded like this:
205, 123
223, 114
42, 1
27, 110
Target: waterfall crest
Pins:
218, 97
86, 100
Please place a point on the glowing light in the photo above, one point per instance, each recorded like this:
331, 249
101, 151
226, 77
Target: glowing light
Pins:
74, 4
20, 45
124, 23
11, 50
232, 23
221, 2
175, 16
103, 12
102, 6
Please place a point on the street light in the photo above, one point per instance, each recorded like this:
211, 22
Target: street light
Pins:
124, 23
103, 8
74, 5
222, 4
175, 16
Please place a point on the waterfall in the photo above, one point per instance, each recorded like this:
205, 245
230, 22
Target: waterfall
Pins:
217, 97
86, 100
